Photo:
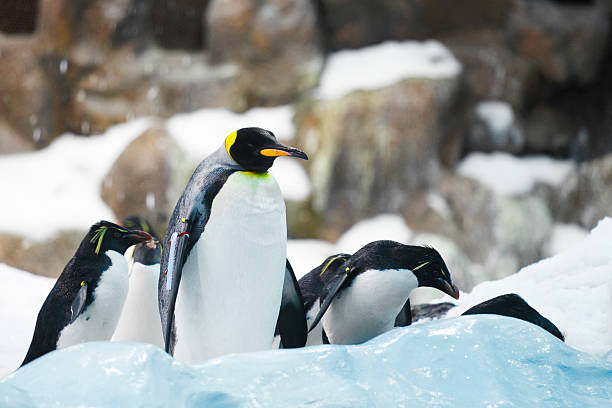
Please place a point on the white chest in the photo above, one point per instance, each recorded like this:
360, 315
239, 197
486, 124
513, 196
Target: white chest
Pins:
369, 306
231, 286
99, 320
140, 319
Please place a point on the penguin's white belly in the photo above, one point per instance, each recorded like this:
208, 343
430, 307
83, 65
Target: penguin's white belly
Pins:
369, 306
231, 287
140, 319
99, 320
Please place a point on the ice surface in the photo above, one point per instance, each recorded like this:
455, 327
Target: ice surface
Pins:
572, 289
509, 175
471, 361
59, 187
384, 64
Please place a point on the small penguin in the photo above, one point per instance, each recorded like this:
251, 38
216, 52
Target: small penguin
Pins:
140, 315
226, 246
357, 297
86, 301
512, 305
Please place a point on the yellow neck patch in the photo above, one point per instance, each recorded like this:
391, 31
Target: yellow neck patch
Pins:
229, 142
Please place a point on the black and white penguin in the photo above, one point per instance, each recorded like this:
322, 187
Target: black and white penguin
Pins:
226, 246
140, 315
357, 297
86, 301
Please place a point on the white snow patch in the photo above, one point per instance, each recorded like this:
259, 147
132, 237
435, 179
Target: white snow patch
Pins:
497, 115
386, 226
58, 187
24, 294
384, 64
508, 175
571, 289
307, 254
563, 237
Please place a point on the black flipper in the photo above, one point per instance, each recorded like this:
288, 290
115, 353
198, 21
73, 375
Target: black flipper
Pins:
404, 317
291, 323
334, 287
324, 338
77, 304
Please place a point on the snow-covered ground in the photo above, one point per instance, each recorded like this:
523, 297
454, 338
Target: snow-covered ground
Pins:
384, 64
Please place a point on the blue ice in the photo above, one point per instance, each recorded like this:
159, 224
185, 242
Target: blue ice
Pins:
470, 361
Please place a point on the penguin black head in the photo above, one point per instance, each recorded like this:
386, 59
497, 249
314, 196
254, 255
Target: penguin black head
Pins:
105, 235
146, 253
424, 262
255, 149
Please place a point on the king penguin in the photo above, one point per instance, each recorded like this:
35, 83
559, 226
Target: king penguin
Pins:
225, 283
357, 297
140, 315
86, 300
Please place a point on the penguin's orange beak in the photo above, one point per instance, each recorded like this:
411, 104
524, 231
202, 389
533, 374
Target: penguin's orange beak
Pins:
282, 150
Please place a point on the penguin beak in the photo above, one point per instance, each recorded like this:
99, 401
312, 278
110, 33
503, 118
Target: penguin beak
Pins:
282, 150
138, 235
449, 288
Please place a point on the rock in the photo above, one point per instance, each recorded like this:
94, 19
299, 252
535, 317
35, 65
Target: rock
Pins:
11, 141
585, 197
178, 24
371, 151
548, 131
154, 82
350, 24
275, 44
491, 68
494, 127
46, 258
147, 179
564, 41
27, 97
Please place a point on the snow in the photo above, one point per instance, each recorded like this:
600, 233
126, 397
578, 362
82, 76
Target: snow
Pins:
572, 289
24, 294
307, 254
563, 237
202, 132
497, 115
509, 175
58, 187
471, 361
384, 64
386, 226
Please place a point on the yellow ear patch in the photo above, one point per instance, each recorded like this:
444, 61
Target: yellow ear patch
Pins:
229, 142
82, 283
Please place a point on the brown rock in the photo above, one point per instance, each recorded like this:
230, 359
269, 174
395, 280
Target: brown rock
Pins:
372, 151
564, 41
275, 44
27, 97
147, 179
585, 197
46, 258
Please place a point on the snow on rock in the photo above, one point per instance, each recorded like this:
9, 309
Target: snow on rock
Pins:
386, 226
59, 187
384, 64
563, 237
471, 361
497, 115
24, 294
572, 289
200, 133
509, 175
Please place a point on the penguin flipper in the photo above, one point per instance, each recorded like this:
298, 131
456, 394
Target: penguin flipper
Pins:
324, 338
77, 304
291, 323
334, 286
404, 317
